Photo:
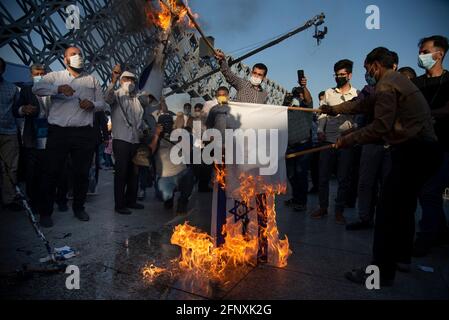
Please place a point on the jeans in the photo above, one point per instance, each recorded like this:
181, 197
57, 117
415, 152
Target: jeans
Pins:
9, 153
433, 220
297, 172
328, 158
182, 182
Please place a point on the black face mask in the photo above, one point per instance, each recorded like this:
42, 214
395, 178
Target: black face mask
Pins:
341, 81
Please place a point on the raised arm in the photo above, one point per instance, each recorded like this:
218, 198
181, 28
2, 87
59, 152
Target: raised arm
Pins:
230, 76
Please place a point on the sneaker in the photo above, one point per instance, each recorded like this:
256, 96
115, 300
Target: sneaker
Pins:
359, 276
46, 222
319, 214
359, 225
124, 211
82, 215
168, 204
135, 205
339, 218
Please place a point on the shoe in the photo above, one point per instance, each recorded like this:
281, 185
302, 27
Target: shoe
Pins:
403, 267
339, 218
291, 203
300, 208
13, 206
318, 214
46, 222
359, 225
124, 211
135, 205
62, 207
313, 190
421, 248
181, 208
82, 215
168, 204
359, 276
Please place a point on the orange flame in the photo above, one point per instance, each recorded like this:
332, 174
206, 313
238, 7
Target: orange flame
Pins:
200, 257
151, 272
169, 12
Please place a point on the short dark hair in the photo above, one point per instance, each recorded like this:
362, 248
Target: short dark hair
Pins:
222, 88
198, 106
261, 66
408, 70
187, 105
344, 64
381, 55
438, 41
395, 57
322, 93
2, 64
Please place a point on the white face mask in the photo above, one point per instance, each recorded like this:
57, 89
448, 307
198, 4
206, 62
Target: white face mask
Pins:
129, 86
36, 79
76, 61
255, 81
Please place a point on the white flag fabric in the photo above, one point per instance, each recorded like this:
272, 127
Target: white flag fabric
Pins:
227, 206
151, 81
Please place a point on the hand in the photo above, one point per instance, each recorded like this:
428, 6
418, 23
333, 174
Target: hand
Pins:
86, 104
303, 82
29, 110
343, 142
159, 129
327, 110
66, 90
219, 55
116, 72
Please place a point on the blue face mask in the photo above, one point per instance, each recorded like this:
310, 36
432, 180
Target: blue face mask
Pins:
370, 80
426, 61
36, 79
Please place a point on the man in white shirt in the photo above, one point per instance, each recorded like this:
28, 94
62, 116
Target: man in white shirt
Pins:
330, 128
75, 96
127, 124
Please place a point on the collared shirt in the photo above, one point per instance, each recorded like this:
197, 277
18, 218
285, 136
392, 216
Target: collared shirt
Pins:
9, 94
126, 114
333, 126
246, 92
400, 112
65, 111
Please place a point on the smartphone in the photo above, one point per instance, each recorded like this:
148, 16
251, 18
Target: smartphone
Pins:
300, 75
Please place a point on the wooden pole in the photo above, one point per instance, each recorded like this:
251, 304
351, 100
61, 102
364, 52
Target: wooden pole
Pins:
313, 150
304, 109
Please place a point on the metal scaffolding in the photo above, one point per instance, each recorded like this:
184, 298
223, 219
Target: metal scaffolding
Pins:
110, 32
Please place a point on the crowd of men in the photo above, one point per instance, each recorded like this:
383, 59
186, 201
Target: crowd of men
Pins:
390, 145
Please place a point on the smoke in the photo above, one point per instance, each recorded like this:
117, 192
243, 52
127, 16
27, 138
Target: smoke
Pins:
234, 15
132, 13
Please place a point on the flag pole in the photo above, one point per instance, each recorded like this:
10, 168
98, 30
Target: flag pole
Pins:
313, 150
304, 109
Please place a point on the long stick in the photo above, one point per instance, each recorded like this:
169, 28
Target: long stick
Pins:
313, 150
308, 24
304, 109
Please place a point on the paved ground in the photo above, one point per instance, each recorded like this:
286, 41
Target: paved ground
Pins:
113, 248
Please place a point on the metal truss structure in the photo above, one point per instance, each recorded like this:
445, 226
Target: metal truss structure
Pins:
110, 32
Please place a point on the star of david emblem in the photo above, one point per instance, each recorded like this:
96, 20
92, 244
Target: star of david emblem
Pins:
240, 211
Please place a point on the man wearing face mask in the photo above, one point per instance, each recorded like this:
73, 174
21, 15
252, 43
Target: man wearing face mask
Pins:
402, 119
34, 110
330, 128
434, 85
75, 96
127, 122
249, 91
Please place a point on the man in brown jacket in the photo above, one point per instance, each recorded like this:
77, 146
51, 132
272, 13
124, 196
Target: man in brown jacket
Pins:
401, 119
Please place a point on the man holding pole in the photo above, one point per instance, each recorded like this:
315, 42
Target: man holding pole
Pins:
402, 119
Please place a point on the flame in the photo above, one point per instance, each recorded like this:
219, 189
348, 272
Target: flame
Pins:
168, 13
200, 257
151, 272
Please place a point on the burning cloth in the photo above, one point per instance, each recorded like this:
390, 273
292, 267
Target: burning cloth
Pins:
244, 191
